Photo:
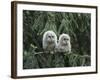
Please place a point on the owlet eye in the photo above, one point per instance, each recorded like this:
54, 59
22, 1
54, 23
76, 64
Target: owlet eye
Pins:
52, 36
49, 36
65, 39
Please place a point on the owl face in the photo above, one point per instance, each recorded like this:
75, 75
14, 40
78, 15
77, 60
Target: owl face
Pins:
50, 37
64, 39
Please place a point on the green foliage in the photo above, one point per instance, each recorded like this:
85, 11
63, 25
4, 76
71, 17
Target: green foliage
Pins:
77, 25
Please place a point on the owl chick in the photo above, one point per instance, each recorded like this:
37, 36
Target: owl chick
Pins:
64, 44
49, 41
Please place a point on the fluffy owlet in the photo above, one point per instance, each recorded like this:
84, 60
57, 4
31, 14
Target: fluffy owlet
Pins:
49, 41
64, 44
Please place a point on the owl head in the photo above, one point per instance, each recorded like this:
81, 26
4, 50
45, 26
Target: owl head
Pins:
50, 37
64, 39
